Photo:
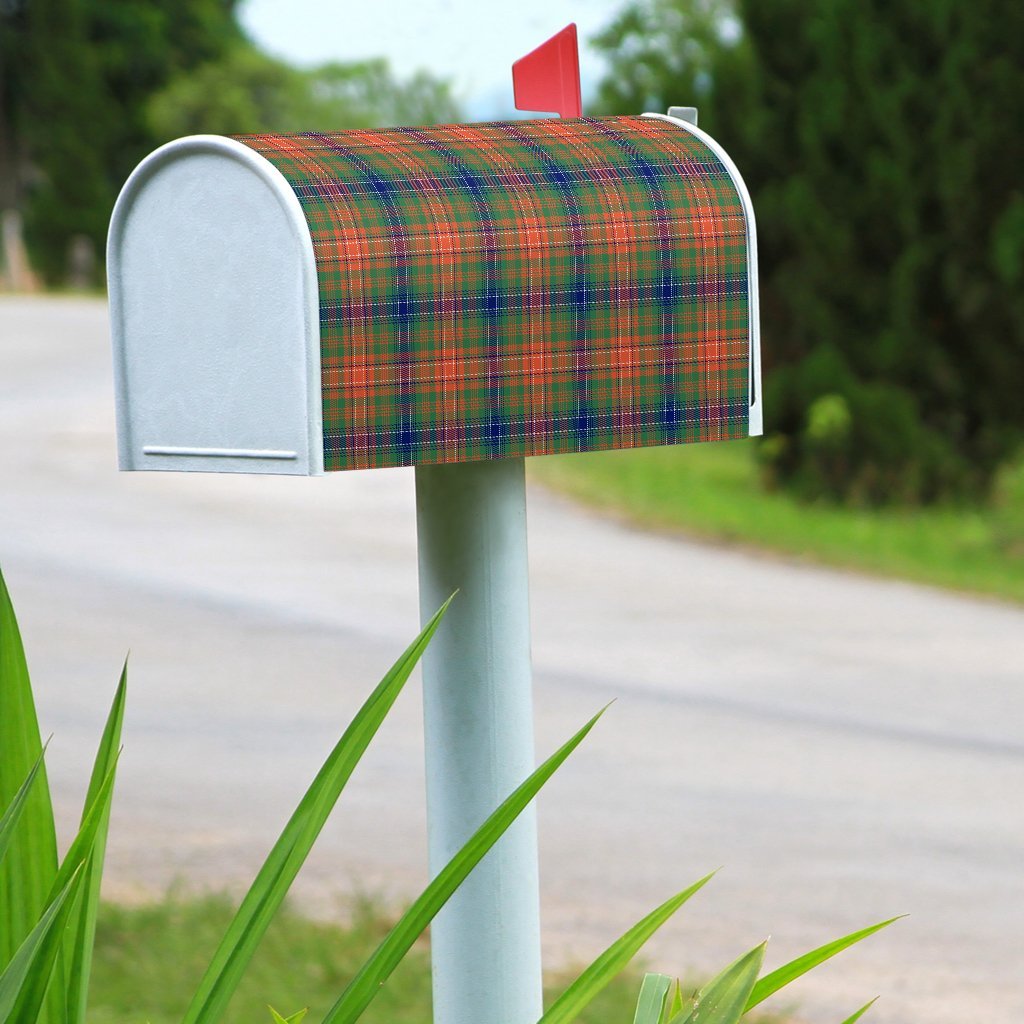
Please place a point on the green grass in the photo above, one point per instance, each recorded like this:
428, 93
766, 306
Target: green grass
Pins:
712, 491
149, 959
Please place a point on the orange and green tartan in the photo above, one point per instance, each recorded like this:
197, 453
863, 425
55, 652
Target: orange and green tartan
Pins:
522, 288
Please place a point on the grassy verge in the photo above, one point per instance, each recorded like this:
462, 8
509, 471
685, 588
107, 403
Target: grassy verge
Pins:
712, 491
149, 958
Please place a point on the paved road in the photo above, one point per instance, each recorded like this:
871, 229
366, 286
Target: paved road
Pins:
846, 748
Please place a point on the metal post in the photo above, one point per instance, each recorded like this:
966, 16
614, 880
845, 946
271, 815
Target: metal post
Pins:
478, 720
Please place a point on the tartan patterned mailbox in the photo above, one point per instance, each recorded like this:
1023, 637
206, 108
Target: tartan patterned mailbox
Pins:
419, 296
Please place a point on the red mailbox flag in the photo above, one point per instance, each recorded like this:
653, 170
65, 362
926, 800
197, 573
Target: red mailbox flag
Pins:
548, 78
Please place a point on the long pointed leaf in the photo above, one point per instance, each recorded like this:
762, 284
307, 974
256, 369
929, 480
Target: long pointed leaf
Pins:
84, 843
723, 1000
854, 1017
282, 864
676, 1003
372, 975
82, 931
651, 1003
295, 1018
73, 866
782, 976
28, 870
17, 805
30, 968
569, 1004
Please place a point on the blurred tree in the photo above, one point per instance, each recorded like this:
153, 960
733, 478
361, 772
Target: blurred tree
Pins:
880, 143
12, 17
88, 87
74, 81
248, 91
365, 94
245, 91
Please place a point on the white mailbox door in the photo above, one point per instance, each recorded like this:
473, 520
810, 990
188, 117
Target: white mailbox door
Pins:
215, 317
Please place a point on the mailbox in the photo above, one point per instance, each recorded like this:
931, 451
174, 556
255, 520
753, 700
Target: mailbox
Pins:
456, 298
413, 296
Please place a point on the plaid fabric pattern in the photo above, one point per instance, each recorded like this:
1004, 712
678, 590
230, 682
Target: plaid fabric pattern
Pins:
522, 288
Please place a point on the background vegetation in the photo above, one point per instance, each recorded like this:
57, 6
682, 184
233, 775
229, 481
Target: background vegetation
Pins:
877, 140
89, 87
714, 492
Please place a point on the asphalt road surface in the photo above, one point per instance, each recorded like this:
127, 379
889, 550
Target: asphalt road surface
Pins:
845, 748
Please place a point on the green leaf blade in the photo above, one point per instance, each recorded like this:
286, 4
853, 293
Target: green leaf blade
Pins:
274, 879
854, 1017
295, 1018
23, 983
29, 868
723, 1000
651, 1003
782, 976
72, 867
372, 975
595, 977
675, 1006
12, 815
82, 932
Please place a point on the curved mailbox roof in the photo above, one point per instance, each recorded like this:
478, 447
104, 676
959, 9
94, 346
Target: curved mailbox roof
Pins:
492, 290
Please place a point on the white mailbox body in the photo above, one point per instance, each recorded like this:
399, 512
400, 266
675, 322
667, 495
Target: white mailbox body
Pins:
216, 305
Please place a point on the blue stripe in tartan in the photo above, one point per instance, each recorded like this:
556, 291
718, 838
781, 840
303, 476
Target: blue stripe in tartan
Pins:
476, 184
672, 419
583, 292
386, 190
567, 185
651, 175
494, 299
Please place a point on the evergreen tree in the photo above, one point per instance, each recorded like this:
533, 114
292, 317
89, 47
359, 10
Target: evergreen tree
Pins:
88, 87
880, 143
75, 81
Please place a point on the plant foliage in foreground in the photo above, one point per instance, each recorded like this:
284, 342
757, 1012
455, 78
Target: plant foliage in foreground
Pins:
720, 1001
49, 907
737, 990
725, 999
